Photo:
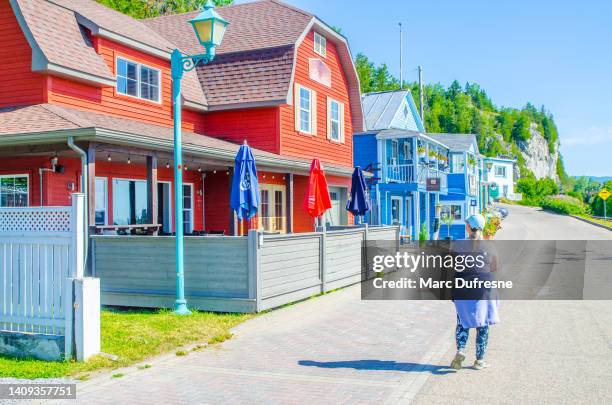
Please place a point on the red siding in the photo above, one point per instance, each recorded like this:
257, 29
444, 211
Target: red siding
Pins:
55, 185
302, 222
294, 143
18, 85
107, 101
216, 199
259, 126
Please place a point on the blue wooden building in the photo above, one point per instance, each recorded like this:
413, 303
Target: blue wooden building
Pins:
464, 197
410, 168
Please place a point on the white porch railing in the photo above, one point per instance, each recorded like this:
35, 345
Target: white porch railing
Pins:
41, 255
403, 173
426, 172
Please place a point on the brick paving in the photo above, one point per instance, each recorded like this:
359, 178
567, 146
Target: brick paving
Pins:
334, 349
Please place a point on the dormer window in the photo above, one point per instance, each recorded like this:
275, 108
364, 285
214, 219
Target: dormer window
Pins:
320, 44
136, 80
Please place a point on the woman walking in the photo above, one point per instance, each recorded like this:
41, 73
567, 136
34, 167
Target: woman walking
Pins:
475, 313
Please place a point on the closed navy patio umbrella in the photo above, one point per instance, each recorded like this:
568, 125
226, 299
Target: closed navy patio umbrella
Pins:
359, 202
245, 187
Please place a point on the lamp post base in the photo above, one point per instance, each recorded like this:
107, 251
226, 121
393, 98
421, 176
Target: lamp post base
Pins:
180, 308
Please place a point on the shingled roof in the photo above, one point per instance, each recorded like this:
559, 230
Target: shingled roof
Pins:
255, 63
44, 122
55, 31
457, 142
258, 49
257, 25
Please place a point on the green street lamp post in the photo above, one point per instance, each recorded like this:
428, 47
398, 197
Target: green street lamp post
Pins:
209, 28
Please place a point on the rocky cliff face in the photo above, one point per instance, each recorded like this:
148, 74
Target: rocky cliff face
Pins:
537, 155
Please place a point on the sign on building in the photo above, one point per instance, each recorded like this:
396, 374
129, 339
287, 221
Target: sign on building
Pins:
433, 184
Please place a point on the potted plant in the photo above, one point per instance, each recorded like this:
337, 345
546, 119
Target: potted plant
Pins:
472, 161
442, 161
433, 156
492, 225
421, 151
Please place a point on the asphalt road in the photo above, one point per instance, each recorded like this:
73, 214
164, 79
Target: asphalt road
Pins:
542, 351
529, 223
339, 349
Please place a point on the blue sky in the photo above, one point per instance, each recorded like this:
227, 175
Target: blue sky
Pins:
556, 53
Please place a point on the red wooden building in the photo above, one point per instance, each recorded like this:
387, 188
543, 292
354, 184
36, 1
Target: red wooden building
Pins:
83, 86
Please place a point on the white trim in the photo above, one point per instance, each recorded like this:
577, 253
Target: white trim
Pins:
459, 203
401, 220
27, 176
105, 180
170, 203
322, 51
192, 209
298, 109
340, 120
272, 189
138, 80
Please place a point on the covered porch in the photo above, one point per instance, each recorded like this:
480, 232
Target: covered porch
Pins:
126, 170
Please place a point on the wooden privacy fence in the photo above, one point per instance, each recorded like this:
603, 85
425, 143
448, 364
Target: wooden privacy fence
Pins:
41, 253
231, 274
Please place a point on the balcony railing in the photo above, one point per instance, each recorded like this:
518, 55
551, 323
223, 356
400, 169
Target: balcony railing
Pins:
404, 173
426, 172
399, 173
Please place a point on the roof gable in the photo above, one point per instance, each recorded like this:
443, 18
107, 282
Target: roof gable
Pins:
44, 25
391, 109
458, 142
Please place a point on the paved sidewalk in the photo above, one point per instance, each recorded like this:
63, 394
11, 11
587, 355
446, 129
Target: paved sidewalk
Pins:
330, 350
337, 349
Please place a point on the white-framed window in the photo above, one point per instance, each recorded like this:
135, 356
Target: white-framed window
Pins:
320, 44
394, 151
305, 110
129, 202
454, 210
14, 190
188, 208
458, 163
101, 193
136, 80
335, 120
272, 208
407, 154
500, 171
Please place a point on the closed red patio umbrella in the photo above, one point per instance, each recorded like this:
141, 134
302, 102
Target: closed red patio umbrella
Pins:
317, 199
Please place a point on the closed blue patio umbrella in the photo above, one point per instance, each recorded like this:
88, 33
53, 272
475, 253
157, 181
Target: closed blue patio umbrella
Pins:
359, 202
245, 187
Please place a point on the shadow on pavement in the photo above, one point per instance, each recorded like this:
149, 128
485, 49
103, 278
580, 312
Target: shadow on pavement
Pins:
380, 365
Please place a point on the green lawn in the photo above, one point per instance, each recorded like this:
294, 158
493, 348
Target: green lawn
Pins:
607, 223
134, 336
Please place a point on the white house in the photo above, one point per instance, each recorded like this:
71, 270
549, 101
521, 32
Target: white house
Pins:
499, 172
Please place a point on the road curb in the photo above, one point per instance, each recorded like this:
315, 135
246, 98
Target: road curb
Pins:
591, 222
